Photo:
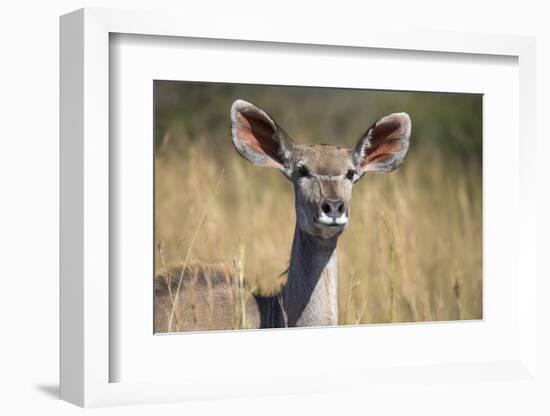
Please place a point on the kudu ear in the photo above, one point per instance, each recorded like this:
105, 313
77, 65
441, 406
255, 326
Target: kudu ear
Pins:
384, 146
258, 138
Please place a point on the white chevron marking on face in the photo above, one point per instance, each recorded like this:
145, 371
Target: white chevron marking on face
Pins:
328, 177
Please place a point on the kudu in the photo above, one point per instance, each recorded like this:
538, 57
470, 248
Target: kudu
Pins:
323, 177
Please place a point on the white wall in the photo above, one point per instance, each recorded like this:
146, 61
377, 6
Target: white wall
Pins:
29, 209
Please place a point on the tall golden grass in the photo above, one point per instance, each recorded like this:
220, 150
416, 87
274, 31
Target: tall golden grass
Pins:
412, 250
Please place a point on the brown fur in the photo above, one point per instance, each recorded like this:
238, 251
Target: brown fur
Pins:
210, 298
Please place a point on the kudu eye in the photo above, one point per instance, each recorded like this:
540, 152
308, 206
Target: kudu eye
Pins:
351, 174
302, 171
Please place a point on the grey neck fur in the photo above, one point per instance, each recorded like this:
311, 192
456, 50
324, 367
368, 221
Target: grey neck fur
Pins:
310, 296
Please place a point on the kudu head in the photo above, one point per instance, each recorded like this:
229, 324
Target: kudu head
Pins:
322, 175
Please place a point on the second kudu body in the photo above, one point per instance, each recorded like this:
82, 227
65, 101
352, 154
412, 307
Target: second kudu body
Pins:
322, 176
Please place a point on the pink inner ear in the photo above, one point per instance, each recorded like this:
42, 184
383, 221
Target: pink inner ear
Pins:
383, 151
385, 141
257, 135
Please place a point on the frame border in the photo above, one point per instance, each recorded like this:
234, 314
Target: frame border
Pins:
84, 182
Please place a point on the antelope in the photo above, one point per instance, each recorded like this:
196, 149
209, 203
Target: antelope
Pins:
323, 177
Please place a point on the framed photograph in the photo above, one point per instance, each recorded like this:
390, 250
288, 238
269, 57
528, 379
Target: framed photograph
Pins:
256, 214
237, 248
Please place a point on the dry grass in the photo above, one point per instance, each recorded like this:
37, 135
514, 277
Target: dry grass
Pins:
412, 251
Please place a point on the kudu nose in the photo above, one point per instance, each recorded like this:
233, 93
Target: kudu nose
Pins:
333, 207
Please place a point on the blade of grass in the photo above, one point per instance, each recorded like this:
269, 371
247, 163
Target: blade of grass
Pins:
189, 249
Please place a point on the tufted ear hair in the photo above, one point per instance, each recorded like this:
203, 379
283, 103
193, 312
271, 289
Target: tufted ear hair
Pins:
384, 146
258, 138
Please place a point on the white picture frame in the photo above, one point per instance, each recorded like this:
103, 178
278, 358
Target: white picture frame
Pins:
87, 356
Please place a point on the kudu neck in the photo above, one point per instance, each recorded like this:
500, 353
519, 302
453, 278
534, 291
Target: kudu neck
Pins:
310, 296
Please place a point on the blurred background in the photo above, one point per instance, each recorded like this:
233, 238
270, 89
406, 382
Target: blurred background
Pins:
413, 248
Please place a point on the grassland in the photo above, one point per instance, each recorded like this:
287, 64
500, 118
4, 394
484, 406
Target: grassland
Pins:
413, 248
